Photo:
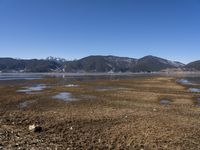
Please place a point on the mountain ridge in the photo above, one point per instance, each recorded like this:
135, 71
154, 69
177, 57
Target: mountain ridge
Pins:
95, 64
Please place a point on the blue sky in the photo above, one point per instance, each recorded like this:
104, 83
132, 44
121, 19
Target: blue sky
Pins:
77, 28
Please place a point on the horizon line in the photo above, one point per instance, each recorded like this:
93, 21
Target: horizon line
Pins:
78, 58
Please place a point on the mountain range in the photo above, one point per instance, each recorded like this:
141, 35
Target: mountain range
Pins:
95, 64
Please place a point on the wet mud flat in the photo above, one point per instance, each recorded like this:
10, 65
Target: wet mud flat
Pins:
140, 113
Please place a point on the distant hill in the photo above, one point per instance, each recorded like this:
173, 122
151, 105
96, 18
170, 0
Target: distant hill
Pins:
32, 65
120, 64
100, 64
95, 64
152, 63
193, 65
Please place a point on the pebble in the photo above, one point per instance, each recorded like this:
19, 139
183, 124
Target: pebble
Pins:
35, 128
154, 110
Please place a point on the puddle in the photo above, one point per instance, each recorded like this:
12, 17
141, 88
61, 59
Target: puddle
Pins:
65, 96
109, 88
25, 104
194, 90
88, 97
185, 82
198, 102
104, 88
165, 101
33, 89
71, 85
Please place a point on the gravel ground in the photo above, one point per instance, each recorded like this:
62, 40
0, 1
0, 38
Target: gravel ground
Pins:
124, 114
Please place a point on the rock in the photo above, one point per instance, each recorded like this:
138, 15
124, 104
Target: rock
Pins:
71, 85
71, 128
99, 140
35, 128
154, 110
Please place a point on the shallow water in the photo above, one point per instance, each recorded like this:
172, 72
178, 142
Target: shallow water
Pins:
71, 85
165, 101
33, 89
194, 80
109, 88
185, 82
104, 88
88, 97
65, 96
195, 90
193, 83
19, 76
25, 104
198, 102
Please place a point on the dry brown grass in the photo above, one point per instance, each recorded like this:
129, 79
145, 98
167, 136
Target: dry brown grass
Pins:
126, 116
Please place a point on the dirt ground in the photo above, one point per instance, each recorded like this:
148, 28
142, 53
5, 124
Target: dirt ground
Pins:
107, 114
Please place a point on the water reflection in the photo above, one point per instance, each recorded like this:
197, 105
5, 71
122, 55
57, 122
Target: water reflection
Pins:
71, 85
195, 90
33, 89
185, 82
19, 76
198, 102
165, 101
65, 96
26, 104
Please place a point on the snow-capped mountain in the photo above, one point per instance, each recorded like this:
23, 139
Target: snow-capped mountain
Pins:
56, 59
97, 63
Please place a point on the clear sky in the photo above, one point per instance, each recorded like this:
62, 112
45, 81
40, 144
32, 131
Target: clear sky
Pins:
77, 28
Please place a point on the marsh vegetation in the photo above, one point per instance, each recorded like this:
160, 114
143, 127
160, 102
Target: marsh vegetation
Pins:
143, 112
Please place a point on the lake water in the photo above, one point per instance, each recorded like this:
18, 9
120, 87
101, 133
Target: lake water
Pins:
70, 76
19, 76
194, 77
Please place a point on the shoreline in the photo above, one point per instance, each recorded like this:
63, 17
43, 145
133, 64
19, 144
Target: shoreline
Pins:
99, 73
